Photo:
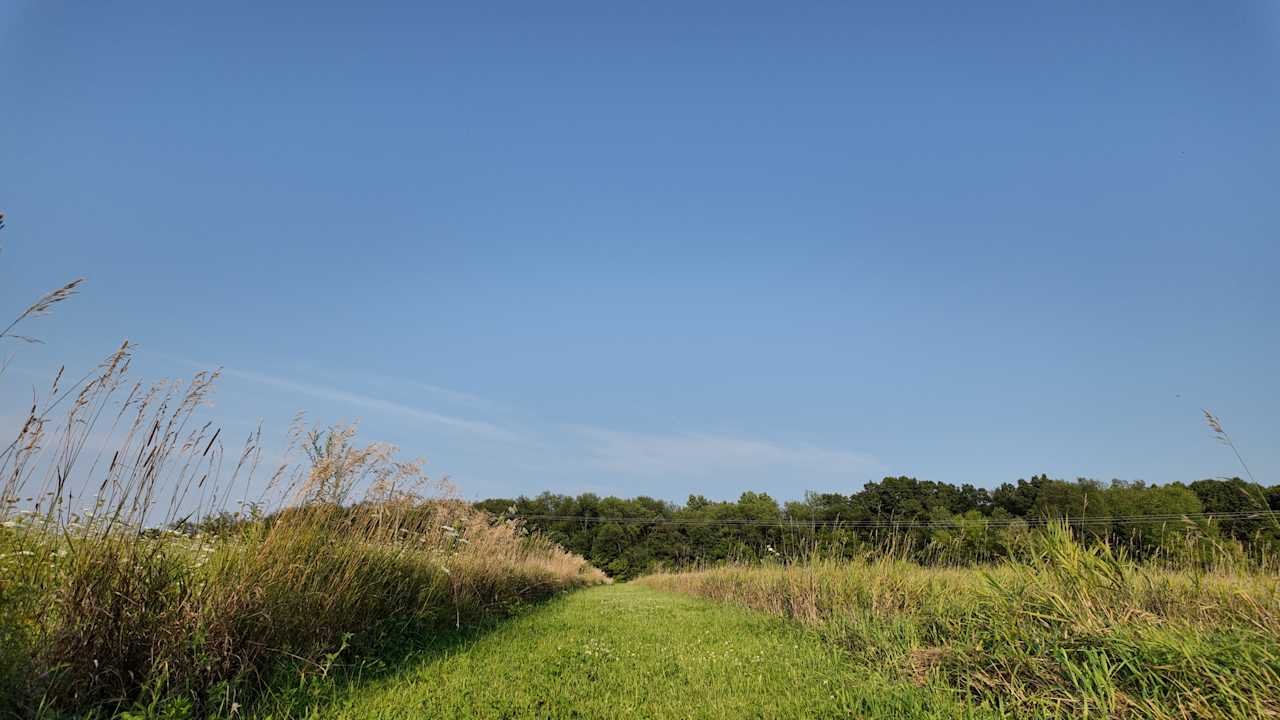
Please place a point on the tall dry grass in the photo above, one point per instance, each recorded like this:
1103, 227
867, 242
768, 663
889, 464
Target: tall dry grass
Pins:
136, 573
1071, 630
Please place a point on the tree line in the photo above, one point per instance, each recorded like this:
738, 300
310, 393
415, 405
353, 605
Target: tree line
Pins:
928, 521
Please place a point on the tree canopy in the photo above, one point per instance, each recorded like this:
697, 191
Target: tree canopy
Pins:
931, 521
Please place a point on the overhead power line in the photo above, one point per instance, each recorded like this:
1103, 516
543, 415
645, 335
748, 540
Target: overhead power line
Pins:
792, 522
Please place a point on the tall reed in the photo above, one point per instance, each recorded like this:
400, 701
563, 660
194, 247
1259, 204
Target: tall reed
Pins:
144, 565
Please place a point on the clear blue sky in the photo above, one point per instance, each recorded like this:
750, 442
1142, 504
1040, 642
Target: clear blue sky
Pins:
689, 247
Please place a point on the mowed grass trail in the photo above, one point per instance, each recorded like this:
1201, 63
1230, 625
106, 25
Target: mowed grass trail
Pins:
625, 651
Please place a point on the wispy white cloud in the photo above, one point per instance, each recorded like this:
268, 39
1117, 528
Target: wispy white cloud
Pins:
591, 451
450, 395
475, 427
708, 455
455, 396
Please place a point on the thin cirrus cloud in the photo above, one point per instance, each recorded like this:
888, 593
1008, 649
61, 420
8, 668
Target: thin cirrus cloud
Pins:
608, 452
709, 455
449, 395
475, 427
455, 396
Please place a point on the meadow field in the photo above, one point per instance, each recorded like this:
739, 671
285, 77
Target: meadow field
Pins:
1074, 630
140, 578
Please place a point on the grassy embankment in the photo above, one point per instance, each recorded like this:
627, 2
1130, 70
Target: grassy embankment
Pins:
180, 626
113, 599
1073, 631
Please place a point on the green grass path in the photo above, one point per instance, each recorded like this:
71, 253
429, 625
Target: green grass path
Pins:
625, 651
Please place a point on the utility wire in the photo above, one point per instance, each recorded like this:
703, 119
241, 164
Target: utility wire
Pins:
908, 524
